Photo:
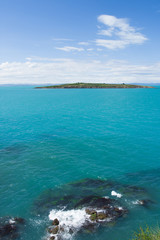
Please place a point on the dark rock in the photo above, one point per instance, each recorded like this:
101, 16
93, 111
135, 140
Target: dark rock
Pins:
71, 231
61, 229
7, 229
52, 238
10, 227
118, 212
19, 220
54, 230
55, 222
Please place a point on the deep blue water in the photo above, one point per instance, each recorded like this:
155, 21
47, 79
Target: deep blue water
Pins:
50, 137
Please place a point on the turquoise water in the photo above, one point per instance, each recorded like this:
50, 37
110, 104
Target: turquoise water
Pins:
52, 137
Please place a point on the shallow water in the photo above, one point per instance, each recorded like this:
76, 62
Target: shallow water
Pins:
52, 137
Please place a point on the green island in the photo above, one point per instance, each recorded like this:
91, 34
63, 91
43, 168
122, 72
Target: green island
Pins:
95, 85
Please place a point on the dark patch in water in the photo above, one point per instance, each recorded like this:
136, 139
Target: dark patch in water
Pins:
148, 176
81, 193
10, 228
13, 150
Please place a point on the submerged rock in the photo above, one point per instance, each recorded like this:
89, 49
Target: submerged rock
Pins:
87, 192
9, 227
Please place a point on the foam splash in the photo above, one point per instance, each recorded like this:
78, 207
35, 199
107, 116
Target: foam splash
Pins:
137, 202
69, 220
106, 197
12, 221
118, 195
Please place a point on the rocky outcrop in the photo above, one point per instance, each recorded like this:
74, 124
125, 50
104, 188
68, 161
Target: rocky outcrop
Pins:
87, 204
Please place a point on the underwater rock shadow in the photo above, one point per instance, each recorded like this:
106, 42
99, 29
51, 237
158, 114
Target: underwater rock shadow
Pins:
70, 195
15, 149
149, 176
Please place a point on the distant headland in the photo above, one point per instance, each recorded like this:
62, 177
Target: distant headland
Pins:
95, 85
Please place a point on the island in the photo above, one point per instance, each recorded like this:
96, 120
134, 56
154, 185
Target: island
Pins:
94, 85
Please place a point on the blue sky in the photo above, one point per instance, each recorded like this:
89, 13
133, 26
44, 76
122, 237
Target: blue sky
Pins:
60, 41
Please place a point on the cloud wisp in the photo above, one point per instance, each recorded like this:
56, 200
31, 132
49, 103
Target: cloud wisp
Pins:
70, 49
119, 31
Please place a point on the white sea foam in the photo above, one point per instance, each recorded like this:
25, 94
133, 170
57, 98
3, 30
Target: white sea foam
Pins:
118, 195
12, 221
69, 220
106, 197
137, 202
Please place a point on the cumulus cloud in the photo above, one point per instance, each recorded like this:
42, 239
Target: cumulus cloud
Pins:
69, 49
119, 31
69, 70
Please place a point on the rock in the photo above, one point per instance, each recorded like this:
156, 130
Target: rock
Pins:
71, 231
90, 211
101, 216
52, 238
61, 229
9, 227
120, 212
54, 230
19, 220
93, 216
55, 222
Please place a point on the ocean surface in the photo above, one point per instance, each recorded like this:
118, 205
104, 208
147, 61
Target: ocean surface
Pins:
51, 137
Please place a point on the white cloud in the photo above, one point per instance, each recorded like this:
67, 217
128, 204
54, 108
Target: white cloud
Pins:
90, 49
84, 43
69, 70
45, 59
120, 29
69, 49
62, 39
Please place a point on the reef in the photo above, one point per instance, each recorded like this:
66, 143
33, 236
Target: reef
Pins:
85, 205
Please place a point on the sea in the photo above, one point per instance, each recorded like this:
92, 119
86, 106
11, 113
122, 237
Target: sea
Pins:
50, 138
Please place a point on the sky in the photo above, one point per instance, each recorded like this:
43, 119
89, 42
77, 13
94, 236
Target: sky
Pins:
67, 41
